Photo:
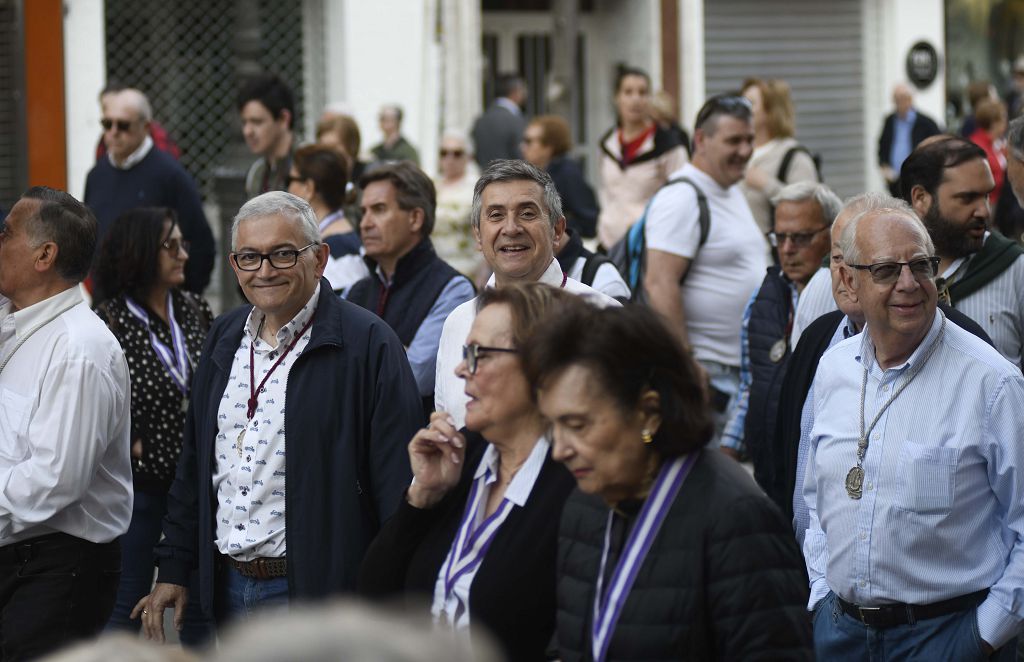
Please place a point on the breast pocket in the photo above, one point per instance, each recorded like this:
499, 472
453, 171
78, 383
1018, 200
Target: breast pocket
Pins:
15, 411
929, 475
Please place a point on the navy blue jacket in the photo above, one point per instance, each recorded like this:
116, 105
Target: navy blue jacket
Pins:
352, 408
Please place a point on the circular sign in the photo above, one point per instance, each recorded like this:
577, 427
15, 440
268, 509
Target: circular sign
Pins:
922, 64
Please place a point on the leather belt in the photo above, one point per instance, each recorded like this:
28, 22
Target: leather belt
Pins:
261, 568
886, 616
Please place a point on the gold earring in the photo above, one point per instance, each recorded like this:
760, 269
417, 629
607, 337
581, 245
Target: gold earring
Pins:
646, 436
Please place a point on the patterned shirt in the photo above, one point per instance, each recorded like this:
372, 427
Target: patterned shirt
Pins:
249, 476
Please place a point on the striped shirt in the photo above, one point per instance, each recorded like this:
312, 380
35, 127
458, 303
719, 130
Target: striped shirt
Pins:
999, 309
942, 512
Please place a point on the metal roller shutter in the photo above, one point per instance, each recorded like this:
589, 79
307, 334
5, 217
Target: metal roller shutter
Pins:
13, 173
814, 46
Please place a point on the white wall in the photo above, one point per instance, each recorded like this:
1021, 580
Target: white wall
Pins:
85, 67
384, 52
891, 27
691, 60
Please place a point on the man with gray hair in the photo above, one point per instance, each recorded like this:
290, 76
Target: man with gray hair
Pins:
394, 146
517, 222
914, 488
804, 212
134, 174
302, 405
65, 473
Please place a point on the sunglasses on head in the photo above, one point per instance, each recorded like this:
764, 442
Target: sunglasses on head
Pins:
122, 125
728, 104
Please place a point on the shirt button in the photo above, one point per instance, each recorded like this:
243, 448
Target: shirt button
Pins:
871, 486
885, 388
862, 583
863, 536
876, 436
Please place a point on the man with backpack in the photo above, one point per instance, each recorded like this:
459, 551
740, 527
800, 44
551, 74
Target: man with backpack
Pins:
704, 252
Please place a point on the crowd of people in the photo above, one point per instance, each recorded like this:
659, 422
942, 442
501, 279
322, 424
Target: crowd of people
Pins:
792, 430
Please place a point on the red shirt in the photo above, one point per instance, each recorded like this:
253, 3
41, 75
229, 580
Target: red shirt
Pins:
630, 149
996, 161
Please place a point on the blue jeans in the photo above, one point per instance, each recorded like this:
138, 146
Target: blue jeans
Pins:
137, 572
244, 595
838, 636
726, 379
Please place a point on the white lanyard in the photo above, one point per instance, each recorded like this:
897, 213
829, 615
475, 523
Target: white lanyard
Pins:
176, 360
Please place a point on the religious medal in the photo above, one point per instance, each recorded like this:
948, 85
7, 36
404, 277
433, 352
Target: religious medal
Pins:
778, 350
854, 482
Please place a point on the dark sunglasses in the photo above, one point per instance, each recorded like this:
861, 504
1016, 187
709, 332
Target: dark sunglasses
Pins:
122, 125
727, 104
886, 273
457, 153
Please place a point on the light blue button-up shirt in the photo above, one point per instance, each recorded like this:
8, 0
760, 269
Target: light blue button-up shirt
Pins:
942, 512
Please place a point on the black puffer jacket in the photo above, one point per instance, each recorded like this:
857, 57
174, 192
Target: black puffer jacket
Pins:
723, 579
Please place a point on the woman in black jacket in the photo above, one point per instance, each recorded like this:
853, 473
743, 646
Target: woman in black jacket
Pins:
476, 534
666, 551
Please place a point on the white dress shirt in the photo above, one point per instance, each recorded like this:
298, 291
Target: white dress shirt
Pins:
942, 511
815, 301
450, 390
64, 424
250, 483
517, 493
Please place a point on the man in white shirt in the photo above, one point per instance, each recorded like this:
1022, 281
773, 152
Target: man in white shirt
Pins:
702, 288
517, 221
65, 472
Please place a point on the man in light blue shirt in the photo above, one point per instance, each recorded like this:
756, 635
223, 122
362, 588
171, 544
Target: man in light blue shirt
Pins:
915, 546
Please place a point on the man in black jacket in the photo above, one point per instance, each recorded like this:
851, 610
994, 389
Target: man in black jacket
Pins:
902, 132
302, 366
409, 286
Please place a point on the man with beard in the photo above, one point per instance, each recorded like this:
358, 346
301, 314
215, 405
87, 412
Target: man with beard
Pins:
981, 273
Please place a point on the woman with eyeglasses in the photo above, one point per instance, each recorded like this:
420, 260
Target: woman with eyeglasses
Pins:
161, 327
319, 175
636, 157
778, 158
666, 551
475, 535
453, 233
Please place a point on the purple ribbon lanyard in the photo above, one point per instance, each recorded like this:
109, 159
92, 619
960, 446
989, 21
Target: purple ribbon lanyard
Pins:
608, 605
175, 361
471, 545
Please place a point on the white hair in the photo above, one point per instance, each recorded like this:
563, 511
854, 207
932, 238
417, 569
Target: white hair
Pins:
281, 203
848, 240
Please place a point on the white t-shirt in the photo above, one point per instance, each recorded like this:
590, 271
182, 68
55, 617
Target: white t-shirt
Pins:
450, 390
607, 279
723, 272
815, 301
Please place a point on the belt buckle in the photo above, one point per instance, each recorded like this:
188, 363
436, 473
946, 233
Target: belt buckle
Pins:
861, 610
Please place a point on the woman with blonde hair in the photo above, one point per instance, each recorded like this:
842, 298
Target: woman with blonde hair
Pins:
778, 158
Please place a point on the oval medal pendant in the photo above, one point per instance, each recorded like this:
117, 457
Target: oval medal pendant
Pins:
778, 350
854, 482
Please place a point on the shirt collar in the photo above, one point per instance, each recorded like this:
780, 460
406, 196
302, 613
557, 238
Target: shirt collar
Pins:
910, 118
509, 105
134, 157
27, 318
287, 332
519, 489
552, 276
867, 347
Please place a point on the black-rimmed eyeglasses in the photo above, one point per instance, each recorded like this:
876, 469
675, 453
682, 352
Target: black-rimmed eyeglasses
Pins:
280, 259
799, 239
471, 354
886, 273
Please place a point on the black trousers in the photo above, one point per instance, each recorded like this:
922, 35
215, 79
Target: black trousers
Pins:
54, 590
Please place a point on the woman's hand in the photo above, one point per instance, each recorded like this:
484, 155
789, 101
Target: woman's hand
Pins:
435, 454
137, 449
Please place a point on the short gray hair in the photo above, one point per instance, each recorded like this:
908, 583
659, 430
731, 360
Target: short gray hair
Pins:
848, 241
828, 201
509, 170
1015, 138
461, 136
140, 101
281, 203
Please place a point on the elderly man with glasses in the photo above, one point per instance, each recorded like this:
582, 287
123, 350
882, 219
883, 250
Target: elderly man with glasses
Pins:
914, 489
701, 277
294, 447
135, 174
803, 215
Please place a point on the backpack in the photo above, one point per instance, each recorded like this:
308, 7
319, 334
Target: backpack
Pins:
787, 158
629, 254
593, 262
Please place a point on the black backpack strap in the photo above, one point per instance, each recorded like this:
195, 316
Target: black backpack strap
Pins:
590, 267
702, 205
787, 160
